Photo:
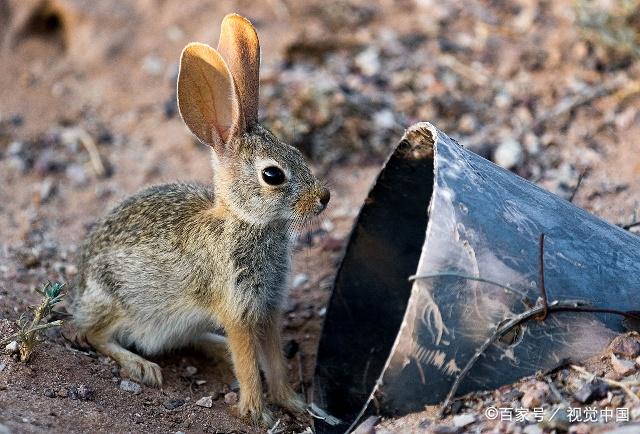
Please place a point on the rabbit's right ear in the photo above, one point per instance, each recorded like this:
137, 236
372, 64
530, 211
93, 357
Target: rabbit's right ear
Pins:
207, 98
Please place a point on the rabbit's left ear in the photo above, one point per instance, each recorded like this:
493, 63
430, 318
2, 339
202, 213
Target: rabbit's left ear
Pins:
240, 48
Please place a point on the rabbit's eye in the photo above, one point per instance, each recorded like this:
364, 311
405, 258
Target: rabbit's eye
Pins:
273, 175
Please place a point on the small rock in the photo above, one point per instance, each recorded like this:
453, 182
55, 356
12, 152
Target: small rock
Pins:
190, 371
462, 420
368, 61
446, 429
45, 190
130, 386
62, 393
512, 395
86, 393
170, 108
299, 280
532, 429
72, 393
2, 366
508, 154
172, 404
291, 348
384, 119
580, 428
153, 65
231, 398
76, 174
621, 366
535, 395
590, 392
175, 33
626, 345
12, 348
205, 401
201, 382
49, 393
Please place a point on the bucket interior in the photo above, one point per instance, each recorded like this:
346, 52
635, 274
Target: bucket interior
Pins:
372, 290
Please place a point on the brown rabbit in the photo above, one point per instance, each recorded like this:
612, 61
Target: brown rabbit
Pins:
171, 263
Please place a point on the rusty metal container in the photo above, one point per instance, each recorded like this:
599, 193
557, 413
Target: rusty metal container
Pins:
390, 346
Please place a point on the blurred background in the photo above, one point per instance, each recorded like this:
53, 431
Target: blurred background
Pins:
547, 89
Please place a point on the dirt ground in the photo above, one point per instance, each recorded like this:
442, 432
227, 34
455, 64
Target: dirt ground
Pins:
550, 90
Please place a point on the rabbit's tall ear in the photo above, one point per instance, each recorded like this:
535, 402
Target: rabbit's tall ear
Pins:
240, 47
207, 98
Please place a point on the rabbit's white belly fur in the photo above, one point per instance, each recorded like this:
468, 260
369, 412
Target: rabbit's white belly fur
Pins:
174, 328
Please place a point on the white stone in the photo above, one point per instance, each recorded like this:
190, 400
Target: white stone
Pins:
205, 401
508, 154
462, 420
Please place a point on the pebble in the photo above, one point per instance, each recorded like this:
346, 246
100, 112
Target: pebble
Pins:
172, 404
532, 429
12, 348
508, 154
49, 393
462, 420
368, 61
190, 371
299, 280
536, 395
626, 346
512, 395
76, 174
621, 366
384, 119
446, 429
590, 392
153, 65
86, 393
2, 366
46, 189
231, 398
130, 386
205, 401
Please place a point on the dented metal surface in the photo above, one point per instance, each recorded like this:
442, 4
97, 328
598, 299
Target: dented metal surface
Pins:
390, 346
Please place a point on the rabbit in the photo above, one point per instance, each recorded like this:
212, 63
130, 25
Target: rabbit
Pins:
173, 262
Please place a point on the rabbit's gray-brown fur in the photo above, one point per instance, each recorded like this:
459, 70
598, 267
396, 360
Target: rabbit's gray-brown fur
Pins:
173, 262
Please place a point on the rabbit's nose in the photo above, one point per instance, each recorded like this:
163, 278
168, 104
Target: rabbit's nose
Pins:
325, 195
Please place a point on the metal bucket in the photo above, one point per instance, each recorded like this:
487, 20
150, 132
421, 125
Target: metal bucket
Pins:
390, 346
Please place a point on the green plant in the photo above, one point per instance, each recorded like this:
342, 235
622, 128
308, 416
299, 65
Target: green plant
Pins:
29, 332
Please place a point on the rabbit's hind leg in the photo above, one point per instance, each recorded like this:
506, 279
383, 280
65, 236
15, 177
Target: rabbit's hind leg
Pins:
133, 366
214, 346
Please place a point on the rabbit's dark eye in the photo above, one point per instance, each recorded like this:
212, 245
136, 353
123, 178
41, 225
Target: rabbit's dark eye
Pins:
273, 175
